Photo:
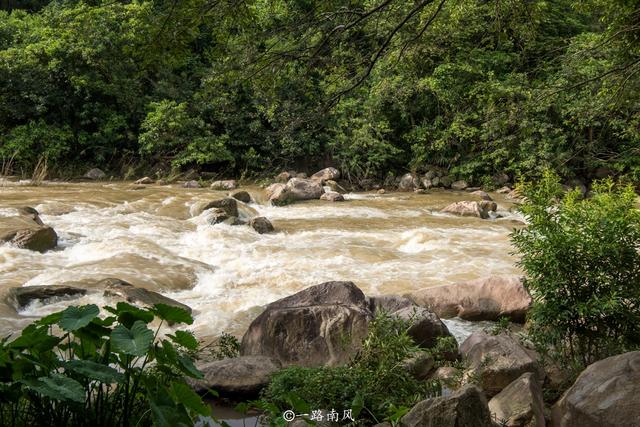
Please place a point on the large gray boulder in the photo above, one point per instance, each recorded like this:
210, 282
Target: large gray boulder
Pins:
606, 394
471, 208
520, 404
495, 361
242, 196
326, 174
426, 327
321, 325
116, 288
261, 224
409, 182
332, 196
238, 377
27, 232
294, 190
483, 299
466, 407
20, 297
227, 184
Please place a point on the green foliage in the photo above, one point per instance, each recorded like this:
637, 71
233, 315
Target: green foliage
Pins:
75, 368
374, 385
582, 268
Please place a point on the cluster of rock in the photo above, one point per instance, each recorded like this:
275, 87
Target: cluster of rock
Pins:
437, 177
225, 210
501, 383
290, 188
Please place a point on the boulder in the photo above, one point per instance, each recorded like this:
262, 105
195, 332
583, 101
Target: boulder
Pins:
381, 191
431, 174
136, 296
408, 182
191, 184
446, 181
217, 215
334, 186
420, 366
27, 232
143, 181
94, 174
294, 190
228, 184
482, 194
501, 179
426, 327
228, 204
459, 185
447, 375
309, 327
495, 361
274, 188
20, 297
261, 224
238, 377
466, 407
427, 183
332, 196
326, 174
471, 208
482, 299
520, 404
283, 177
242, 196
606, 394
301, 175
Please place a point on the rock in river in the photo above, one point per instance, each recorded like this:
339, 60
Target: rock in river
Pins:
20, 297
332, 196
137, 296
482, 299
471, 208
228, 204
294, 190
242, 196
27, 232
227, 184
326, 174
261, 224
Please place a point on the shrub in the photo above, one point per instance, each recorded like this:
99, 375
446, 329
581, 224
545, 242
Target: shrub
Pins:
376, 385
582, 268
74, 368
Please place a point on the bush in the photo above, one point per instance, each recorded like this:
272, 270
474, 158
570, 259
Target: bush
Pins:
376, 385
73, 368
582, 268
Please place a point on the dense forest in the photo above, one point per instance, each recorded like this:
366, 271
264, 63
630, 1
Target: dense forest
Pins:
373, 87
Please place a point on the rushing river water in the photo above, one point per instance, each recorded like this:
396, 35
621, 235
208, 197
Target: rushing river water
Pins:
158, 238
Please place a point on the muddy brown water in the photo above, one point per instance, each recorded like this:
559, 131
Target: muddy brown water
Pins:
157, 237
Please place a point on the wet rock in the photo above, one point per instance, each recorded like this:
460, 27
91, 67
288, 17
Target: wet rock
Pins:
26, 232
426, 327
228, 184
332, 196
308, 328
31, 213
228, 204
294, 190
94, 174
483, 299
606, 394
261, 224
274, 189
137, 296
466, 407
242, 196
497, 360
431, 174
20, 297
482, 194
427, 183
326, 174
283, 177
143, 181
504, 190
191, 184
459, 185
409, 182
239, 377
471, 208
520, 404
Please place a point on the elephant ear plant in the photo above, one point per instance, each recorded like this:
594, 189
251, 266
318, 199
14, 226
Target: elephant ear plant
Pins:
75, 368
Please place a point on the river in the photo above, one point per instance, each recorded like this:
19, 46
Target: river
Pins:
157, 237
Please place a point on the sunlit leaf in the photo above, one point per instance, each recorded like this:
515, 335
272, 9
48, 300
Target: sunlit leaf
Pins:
74, 318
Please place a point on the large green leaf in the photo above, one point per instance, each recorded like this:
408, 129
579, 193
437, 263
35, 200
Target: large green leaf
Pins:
127, 314
184, 394
96, 371
35, 339
187, 367
185, 339
135, 341
74, 318
172, 314
166, 413
58, 387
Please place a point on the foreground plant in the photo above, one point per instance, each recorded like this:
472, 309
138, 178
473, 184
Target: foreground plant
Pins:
74, 368
582, 263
